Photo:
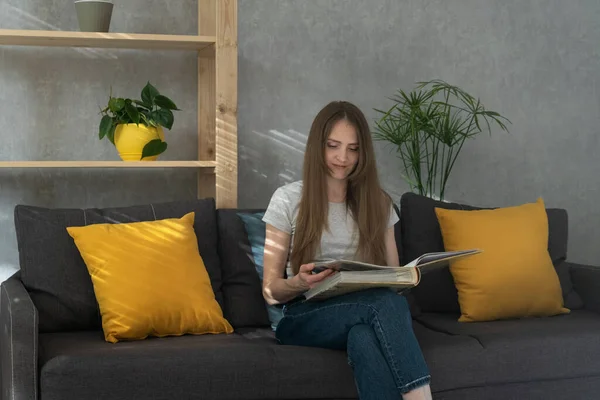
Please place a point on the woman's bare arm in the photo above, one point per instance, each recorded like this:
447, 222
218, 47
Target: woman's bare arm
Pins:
391, 251
277, 289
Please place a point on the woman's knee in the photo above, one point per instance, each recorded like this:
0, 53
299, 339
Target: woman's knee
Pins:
361, 333
383, 299
362, 341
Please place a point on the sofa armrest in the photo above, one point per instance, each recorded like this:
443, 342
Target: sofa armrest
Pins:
586, 281
18, 341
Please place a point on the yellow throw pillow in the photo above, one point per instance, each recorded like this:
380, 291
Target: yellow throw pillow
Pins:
513, 277
149, 279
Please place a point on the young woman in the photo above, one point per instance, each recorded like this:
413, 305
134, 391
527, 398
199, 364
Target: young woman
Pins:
339, 210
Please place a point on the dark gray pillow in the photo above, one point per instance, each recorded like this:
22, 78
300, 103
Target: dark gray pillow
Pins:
420, 233
244, 304
55, 275
415, 311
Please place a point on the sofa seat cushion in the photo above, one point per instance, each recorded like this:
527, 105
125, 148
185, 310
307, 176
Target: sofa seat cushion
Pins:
559, 347
248, 364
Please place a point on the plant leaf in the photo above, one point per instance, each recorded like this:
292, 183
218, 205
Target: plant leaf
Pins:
143, 104
106, 123
111, 134
164, 117
165, 102
153, 148
116, 104
156, 118
145, 120
149, 93
133, 113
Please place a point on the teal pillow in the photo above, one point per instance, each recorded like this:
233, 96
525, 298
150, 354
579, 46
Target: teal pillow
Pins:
256, 229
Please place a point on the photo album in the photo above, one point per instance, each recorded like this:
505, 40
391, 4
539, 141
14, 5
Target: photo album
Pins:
352, 276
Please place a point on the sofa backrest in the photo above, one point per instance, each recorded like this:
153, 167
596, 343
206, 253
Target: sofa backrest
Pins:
420, 233
55, 275
243, 302
57, 279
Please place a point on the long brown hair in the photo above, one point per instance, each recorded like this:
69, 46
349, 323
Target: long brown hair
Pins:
367, 202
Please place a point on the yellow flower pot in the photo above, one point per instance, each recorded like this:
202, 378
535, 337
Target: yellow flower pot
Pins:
130, 140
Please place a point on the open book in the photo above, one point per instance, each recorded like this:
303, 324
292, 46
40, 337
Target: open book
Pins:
352, 276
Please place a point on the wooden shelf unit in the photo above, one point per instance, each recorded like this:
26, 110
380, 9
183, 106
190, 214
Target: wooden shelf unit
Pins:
205, 165
104, 40
216, 47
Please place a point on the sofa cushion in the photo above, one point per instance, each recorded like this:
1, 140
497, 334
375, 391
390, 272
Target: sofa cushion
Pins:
256, 232
513, 277
584, 388
446, 355
54, 273
149, 279
559, 347
248, 365
420, 233
243, 302
412, 302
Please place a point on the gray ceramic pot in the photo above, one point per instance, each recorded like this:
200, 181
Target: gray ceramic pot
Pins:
94, 15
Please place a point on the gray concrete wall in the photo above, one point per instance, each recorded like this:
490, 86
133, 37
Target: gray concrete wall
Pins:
536, 62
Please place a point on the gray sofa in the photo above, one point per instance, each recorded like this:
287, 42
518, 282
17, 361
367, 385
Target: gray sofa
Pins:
52, 347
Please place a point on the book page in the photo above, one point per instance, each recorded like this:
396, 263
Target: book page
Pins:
390, 275
349, 265
351, 281
426, 259
440, 257
343, 288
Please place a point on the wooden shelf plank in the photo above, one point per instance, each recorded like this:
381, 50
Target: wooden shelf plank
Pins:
32, 37
107, 164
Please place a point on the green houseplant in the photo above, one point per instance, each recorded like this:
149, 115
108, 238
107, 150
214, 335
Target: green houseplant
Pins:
428, 128
135, 126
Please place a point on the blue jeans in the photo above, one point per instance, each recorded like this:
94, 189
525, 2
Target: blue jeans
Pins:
374, 327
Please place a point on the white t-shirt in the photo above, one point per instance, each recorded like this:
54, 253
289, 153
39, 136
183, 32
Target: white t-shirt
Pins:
340, 241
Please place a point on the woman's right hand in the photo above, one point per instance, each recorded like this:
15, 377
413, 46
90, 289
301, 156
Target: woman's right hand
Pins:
305, 279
